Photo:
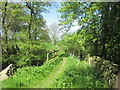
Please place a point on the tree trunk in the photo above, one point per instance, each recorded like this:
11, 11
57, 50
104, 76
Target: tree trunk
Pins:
4, 26
104, 31
30, 23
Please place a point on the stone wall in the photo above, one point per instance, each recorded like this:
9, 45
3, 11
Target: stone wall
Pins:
108, 70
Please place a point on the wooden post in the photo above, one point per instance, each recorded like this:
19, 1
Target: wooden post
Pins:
47, 56
54, 54
89, 59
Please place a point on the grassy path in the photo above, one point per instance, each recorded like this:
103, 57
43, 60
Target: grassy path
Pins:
46, 83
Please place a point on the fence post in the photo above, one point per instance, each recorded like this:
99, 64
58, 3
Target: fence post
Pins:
47, 56
54, 53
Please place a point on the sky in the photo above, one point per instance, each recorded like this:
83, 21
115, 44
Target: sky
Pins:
53, 16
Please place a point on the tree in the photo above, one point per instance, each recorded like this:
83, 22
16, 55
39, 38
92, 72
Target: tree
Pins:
54, 32
23, 33
98, 20
4, 15
35, 9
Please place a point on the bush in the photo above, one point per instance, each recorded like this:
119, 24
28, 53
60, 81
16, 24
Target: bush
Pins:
28, 54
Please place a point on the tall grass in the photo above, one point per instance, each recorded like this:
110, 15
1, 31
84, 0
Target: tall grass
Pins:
79, 76
28, 76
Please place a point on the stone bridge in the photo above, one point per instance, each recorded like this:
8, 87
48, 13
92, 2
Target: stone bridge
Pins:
4, 74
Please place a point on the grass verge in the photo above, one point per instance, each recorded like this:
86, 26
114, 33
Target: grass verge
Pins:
27, 76
79, 76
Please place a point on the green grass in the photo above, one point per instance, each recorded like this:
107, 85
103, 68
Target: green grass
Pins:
79, 76
73, 75
47, 82
27, 76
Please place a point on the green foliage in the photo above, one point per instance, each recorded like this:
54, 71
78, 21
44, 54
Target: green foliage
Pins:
80, 76
29, 55
28, 76
25, 42
73, 44
24, 32
50, 46
99, 29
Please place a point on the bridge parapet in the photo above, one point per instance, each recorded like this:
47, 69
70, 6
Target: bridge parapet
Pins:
4, 74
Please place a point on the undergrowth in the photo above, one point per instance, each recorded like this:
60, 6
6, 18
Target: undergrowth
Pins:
79, 76
27, 76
